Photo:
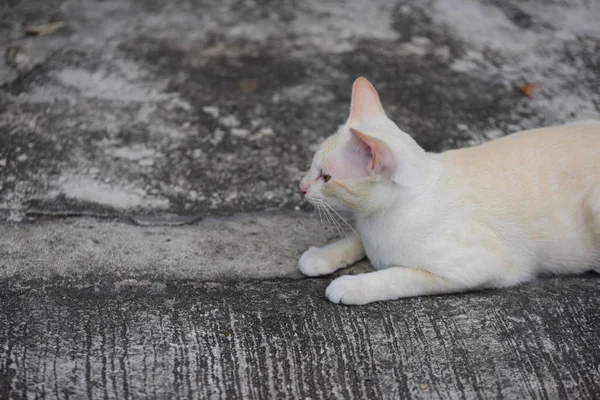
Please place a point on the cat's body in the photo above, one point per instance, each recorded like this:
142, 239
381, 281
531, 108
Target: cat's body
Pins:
537, 205
492, 215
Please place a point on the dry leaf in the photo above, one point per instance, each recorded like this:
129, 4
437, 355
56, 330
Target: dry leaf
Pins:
528, 89
41, 30
248, 85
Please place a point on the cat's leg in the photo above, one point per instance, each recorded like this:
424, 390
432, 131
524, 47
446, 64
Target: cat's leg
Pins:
389, 284
326, 260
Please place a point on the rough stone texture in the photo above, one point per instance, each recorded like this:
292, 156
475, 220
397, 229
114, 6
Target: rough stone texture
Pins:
204, 107
144, 121
284, 340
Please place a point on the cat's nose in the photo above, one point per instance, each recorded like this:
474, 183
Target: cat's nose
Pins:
303, 188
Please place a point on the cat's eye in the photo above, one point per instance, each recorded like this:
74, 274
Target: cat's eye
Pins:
326, 177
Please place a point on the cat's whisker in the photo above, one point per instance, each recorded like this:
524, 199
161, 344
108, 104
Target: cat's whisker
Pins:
318, 204
326, 214
344, 220
321, 209
340, 227
340, 230
332, 221
320, 215
329, 216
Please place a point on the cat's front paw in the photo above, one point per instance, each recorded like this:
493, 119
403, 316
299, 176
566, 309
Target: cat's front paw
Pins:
314, 262
348, 289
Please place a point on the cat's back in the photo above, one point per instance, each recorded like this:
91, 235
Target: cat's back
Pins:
554, 155
537, 189
569, 139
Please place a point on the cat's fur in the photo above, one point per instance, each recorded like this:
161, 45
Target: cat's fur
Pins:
493, 215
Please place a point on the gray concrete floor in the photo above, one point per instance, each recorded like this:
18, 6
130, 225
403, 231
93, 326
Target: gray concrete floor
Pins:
282, 339
150, 222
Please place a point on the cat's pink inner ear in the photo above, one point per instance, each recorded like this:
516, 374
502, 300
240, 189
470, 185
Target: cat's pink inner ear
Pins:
380, 156
365, 102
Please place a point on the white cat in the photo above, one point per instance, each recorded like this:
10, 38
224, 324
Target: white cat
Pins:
493, 215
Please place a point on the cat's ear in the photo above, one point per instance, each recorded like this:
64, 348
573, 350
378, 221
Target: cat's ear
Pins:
378, 156
365, 102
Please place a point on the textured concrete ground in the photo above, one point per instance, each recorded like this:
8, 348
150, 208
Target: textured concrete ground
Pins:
150, 222
280, 339
206, 107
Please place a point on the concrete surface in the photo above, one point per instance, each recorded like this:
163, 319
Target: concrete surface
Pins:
242, 247
204, 107
282, 339
150, 221
254, 248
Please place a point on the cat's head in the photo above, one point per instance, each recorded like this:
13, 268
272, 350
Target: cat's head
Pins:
367, 163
